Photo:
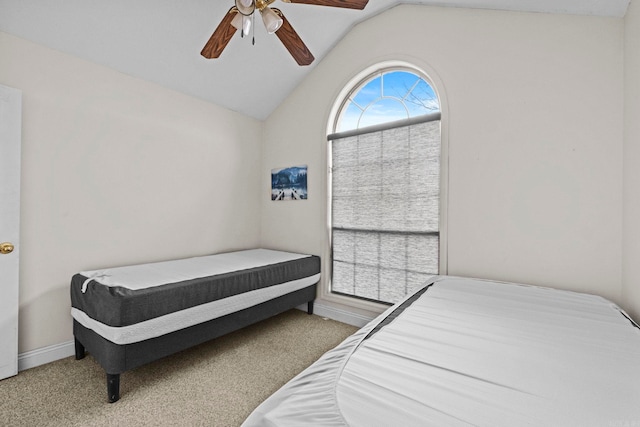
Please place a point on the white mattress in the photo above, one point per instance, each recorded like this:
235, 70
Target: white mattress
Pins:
142, 276
475, 352
145, 276
191, 316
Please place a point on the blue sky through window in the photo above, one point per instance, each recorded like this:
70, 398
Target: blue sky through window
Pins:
386, 97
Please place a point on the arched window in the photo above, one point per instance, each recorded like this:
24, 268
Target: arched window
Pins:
386, 96
385, 187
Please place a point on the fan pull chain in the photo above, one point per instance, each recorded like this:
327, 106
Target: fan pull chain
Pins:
253, 29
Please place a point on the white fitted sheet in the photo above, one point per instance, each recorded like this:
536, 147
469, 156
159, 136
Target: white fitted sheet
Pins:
142, 276
191, 316
475, 352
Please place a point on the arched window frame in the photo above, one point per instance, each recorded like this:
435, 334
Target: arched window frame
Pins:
356, 82
380, 73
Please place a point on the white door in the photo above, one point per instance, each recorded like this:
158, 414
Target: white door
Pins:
10, 127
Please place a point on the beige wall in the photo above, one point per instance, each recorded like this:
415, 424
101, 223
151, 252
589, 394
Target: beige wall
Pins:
116, 171
631, 235
533, 111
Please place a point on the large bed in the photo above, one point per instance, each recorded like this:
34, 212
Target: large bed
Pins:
128, 316
463, 352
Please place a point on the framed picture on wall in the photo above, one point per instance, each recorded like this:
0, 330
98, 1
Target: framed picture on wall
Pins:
289, 183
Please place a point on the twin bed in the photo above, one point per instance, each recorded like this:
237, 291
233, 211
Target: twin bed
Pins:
457, 352
463, 352
128, 316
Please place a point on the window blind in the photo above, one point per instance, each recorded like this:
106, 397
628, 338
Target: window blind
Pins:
385, 204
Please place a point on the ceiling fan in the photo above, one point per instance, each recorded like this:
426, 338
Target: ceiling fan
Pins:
241, 16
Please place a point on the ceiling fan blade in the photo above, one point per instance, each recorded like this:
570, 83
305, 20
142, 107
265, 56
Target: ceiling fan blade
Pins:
220, 37
350, 4
292, 41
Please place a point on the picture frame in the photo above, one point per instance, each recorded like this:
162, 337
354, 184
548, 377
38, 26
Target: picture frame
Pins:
289, 183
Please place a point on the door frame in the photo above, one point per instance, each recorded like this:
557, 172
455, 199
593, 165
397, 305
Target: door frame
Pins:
10, 154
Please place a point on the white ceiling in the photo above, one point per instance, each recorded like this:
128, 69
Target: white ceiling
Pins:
160, 40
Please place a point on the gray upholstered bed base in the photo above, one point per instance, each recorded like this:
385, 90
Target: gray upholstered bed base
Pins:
116, 359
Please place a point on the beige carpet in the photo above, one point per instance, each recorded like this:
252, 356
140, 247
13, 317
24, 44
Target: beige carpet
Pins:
215, 384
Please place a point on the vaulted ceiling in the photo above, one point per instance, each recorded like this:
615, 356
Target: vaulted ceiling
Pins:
160, 40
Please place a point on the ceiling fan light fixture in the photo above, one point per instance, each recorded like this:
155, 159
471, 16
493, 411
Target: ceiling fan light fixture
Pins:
272, 21
242, 15
241, 22
246, 7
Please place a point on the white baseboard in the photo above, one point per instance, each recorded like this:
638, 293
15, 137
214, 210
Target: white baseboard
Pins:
339, 315
45, 355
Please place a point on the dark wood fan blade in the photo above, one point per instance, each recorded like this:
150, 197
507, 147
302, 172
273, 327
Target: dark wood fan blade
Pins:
292, 41
220, 37
350, 4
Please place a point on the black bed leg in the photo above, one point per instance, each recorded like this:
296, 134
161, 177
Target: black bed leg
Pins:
113, 387
79, 349
310, 307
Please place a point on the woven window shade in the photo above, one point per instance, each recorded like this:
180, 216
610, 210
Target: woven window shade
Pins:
385, 210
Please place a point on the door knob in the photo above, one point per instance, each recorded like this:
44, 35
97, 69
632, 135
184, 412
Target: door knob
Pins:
6, 248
